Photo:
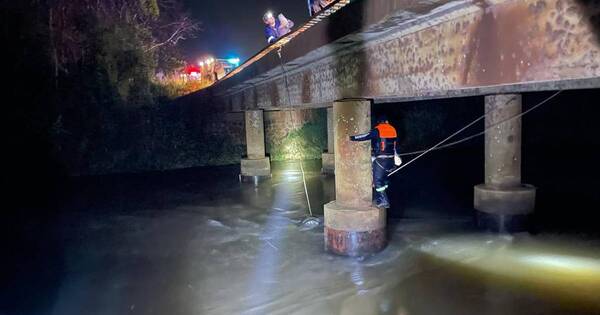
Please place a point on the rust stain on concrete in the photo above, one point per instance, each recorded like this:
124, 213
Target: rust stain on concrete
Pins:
352, 159
306, 88
350, 243
482, 44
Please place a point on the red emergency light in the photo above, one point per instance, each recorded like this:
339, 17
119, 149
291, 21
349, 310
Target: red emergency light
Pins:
189, 69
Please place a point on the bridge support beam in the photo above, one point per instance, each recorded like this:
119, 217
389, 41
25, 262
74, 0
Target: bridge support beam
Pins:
353, 227
503, 202
328, 158
256, 165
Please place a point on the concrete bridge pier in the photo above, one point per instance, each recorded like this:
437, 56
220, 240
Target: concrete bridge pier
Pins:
256, 165
328, 158
503, 202
353, 226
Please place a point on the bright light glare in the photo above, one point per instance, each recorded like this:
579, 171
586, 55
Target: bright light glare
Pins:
266, 273
579, 264
291, 175
235, 61
201, 63
561, 268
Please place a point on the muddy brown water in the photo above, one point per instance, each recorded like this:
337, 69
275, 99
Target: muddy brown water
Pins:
199, 242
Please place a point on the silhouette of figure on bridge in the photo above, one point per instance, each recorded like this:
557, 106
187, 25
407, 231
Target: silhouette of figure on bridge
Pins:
315, 6
276, 28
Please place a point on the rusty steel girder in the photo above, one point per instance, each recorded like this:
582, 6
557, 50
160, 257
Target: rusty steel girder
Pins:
453, 48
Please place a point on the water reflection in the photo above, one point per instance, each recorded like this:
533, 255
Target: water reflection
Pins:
221, 247
430, 267
571, 272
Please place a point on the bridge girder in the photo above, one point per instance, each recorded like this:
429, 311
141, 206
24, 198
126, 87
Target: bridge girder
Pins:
457, 48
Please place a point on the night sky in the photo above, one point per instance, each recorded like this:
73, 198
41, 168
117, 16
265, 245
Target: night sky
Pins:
235, 28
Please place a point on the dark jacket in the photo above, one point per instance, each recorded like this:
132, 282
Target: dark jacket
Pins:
272, 34
384, 139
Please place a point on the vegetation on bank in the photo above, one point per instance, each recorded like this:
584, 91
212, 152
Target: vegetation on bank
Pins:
120, 47
304, 143
93, 83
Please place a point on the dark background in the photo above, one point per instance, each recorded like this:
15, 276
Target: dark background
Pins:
560, 155
235, 28
560, 147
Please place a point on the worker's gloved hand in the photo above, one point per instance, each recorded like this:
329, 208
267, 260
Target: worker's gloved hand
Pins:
397, 159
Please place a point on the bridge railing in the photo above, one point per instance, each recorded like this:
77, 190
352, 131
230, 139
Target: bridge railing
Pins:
282, 41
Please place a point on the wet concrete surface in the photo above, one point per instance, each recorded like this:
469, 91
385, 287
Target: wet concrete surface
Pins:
199, 242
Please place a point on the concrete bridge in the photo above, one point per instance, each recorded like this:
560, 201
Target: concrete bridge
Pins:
362, 53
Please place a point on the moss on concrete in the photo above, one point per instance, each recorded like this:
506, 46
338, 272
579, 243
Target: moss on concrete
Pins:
307, 142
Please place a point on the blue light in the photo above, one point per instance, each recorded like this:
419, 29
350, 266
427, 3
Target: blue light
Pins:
234, 61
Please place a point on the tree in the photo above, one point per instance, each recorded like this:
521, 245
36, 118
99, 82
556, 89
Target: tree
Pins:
156, 24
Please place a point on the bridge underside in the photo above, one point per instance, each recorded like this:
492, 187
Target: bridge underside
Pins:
411, 50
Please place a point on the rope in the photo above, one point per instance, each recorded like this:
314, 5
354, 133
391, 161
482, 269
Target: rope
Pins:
287, 88
440, 145
306, 190
292, 120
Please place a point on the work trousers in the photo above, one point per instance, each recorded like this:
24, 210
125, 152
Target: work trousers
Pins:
381, 168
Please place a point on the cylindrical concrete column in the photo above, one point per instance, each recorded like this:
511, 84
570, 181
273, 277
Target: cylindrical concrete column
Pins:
353, 182
503, 200
256, 165
330, 139
328, 159
503, 142
353, 226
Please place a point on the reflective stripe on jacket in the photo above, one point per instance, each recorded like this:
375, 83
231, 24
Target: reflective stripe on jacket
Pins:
383, 139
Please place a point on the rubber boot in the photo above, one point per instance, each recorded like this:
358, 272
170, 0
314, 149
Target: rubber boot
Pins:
381, 200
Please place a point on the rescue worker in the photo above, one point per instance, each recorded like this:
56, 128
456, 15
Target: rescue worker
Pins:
315, 6
271, 27
276, 27
384, 155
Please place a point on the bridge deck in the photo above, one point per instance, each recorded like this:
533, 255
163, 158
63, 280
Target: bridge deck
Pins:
399, 50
